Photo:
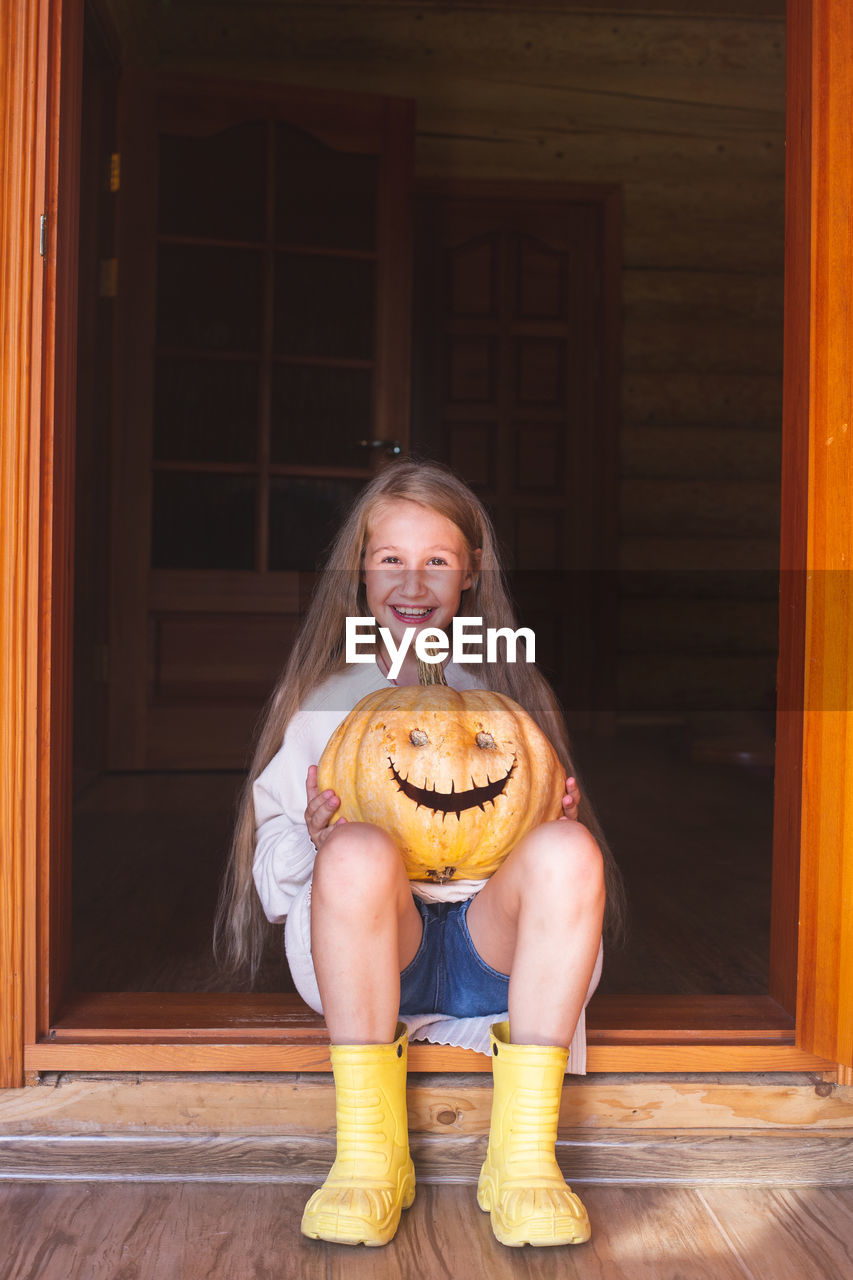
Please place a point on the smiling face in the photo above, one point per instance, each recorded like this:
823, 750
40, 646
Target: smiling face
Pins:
452, 801
416, 566
455, 778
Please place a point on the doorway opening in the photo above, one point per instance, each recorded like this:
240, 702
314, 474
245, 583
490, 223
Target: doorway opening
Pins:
698, 862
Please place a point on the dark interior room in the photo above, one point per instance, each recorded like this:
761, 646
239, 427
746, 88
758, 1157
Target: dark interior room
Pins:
546, 248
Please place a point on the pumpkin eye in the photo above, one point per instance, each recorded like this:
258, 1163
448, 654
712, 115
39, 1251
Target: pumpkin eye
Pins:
418, 738
485, 740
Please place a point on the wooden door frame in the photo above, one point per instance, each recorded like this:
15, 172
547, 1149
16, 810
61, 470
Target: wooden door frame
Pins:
41, 51
41, 43
819, 391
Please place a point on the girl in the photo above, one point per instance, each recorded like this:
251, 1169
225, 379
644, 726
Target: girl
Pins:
521, 950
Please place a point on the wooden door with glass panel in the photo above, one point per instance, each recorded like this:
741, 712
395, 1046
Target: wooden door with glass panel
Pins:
263, 374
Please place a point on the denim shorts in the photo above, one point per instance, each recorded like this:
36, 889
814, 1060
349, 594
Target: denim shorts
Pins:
447, 975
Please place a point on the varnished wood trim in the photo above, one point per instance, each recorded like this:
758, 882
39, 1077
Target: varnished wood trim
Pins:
293, 1056
173, 1032
787, 817
41, 52
56, 512
284, 1033
821, 33
22, 196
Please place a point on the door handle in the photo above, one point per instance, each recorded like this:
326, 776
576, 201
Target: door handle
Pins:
392, 447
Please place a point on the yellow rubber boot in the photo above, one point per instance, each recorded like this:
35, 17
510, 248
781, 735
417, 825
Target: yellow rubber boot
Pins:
521, 1185
373, 1178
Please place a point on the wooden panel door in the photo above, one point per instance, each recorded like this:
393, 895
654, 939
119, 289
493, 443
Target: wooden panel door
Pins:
516, 369
263, 338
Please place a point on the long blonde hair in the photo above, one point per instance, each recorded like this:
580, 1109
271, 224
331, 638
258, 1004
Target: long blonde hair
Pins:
318, 653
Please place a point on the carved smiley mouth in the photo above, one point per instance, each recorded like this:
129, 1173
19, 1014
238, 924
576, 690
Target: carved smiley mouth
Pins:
452, 801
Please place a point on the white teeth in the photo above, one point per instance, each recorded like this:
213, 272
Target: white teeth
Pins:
412, 613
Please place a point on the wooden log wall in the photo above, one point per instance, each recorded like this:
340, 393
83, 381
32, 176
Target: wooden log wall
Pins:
685, 111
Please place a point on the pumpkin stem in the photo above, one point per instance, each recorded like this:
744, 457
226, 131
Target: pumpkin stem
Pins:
431, 672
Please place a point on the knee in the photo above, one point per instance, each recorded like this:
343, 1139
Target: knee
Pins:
562, 859
356, 864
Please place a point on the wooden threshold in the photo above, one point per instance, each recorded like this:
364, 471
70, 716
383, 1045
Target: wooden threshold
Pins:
143, 1031
644, 1157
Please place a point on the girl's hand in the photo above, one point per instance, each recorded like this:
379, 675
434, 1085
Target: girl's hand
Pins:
320, 808
571, 800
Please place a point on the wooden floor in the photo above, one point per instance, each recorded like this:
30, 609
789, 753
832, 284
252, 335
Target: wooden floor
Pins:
190, 1231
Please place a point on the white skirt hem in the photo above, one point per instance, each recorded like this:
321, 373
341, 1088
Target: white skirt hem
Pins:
435, 1028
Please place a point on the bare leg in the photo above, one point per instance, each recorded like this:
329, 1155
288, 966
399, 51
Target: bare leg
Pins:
365, 929
539, 920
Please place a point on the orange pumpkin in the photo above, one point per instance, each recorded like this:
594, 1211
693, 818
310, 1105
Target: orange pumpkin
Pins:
455, 778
